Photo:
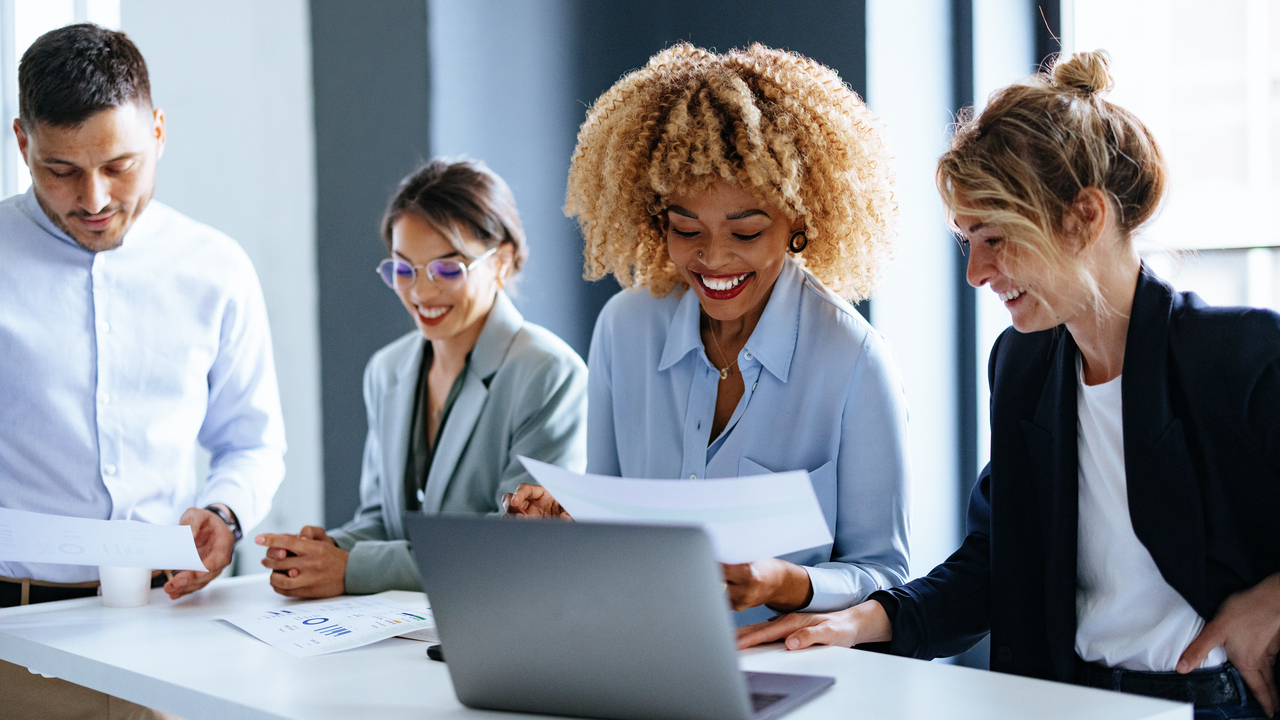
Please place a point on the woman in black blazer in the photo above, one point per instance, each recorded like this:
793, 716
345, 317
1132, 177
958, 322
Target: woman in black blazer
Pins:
1134, 480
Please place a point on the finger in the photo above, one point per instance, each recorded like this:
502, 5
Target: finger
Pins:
733, 573
190, 516
293, 543
292, 562
179, 581
311, 532
1269, 689
524, 493
1195, 654
770, 631
283, 581
184, 586
806, 637
1261, 687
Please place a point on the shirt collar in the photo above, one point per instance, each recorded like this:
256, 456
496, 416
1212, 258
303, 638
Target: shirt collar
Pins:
31, 208
773, 342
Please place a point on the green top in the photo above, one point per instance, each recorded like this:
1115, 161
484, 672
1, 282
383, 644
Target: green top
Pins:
418, 462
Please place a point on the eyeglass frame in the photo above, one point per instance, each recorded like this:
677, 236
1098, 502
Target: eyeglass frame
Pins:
431, 276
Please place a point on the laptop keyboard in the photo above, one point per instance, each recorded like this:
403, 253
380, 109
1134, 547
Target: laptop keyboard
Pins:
760, 701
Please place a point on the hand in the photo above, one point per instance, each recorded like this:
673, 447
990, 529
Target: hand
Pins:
1248, 627
308, 565
534, 501
863, 623
777, 583
214, 542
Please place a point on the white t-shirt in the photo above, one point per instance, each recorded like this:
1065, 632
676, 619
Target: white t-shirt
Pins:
1127, 615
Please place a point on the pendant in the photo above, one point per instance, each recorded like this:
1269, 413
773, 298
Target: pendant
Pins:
724, 373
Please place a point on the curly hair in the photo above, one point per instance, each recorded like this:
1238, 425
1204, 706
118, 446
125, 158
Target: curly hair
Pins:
775, 123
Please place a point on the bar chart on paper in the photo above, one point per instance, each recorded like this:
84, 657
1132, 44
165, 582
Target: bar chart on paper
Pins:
317, 629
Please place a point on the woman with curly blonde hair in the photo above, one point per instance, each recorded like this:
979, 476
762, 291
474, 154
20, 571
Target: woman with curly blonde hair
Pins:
743, 199
1123, 535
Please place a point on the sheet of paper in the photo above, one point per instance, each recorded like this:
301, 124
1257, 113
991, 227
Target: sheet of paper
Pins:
29, 537
431, 635
317, 629
747, 518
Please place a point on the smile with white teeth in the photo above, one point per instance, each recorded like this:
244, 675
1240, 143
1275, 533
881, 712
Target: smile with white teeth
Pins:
1011, 295
431, 313
725, 283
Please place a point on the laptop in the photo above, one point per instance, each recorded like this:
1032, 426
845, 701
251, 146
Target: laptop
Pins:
590, 620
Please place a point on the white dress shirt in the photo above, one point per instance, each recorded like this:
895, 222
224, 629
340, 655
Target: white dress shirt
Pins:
1127, 615
114, 365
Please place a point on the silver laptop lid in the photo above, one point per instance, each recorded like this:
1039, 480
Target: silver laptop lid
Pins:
594, 620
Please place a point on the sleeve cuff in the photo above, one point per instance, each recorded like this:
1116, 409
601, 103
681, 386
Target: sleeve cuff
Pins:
374, 566
831, 590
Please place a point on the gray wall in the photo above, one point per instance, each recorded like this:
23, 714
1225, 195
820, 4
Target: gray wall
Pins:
371, 129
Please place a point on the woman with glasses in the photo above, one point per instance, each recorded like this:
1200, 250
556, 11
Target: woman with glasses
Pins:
452, 404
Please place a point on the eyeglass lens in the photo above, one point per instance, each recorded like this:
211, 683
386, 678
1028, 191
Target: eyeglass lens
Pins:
398, 274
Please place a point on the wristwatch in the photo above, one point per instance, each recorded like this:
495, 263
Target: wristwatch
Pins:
227, 518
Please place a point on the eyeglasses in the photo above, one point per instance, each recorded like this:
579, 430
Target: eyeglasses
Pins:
400, 275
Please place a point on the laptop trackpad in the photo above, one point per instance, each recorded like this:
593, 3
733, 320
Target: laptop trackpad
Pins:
775, 694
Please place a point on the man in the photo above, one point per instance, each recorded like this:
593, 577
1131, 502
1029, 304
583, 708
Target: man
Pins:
128, 333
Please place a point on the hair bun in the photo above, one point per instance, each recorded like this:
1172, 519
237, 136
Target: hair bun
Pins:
1086, 73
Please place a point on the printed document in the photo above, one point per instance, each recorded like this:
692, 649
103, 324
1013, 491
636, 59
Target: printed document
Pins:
747, 518
29, 537
317, 629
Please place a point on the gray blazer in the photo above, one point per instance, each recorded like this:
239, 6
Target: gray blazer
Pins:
524, 393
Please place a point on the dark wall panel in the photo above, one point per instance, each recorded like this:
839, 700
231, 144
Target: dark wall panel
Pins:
371, 100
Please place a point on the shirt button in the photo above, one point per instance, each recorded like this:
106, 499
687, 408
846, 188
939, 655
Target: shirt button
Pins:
109, 469
693, 476
105, 398
104, 326
1004, 654
747, 354
422, 496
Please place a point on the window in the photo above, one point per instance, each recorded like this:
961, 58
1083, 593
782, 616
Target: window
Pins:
21, 22
1204, 77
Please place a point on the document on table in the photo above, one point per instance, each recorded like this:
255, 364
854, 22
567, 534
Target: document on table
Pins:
317, 629
29, 537
747, 518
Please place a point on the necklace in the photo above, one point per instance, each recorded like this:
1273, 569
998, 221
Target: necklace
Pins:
727, 370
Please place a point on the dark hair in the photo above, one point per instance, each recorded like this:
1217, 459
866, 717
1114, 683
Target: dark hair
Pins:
71, 73
456, 195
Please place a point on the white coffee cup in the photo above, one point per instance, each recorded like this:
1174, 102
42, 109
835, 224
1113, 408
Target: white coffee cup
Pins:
124, 587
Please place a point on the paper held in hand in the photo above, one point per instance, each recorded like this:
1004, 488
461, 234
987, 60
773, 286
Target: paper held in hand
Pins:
29, 537
306, 630
747, 518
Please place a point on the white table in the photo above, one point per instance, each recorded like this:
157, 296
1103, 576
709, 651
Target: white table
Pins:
173, 656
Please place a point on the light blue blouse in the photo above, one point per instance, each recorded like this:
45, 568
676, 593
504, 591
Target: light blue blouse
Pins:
822, 394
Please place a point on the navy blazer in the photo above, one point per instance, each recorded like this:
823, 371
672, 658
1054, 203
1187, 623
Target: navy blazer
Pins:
1201, 415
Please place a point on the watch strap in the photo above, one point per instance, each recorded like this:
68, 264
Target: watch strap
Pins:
227, 518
